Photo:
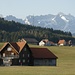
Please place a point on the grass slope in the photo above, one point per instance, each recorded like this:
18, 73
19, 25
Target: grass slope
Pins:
65, 64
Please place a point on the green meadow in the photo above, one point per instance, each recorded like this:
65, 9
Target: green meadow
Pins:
65, 64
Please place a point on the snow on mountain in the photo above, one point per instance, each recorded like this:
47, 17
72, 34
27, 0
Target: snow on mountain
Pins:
58, 22
27, 22
64, 19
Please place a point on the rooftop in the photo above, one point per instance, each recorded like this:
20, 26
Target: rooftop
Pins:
42, 53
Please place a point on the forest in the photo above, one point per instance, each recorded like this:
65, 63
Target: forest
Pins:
13, 31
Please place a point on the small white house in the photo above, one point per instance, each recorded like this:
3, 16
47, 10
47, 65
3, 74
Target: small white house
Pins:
44, 42
41, 43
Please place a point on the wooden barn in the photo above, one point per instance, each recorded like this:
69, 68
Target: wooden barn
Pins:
43, 57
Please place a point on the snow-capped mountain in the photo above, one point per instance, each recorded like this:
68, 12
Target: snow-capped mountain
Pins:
58, 22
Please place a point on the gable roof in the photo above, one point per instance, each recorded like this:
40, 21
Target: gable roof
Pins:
42, 53
61, 41
5, 44
18, 46
45, 40
21, 45
15, 46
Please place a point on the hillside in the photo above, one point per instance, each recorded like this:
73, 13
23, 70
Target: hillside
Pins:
12, 31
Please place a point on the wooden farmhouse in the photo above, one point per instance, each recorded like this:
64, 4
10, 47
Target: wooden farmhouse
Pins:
19, 53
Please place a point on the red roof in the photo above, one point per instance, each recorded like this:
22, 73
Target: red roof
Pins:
42, 53
61, 41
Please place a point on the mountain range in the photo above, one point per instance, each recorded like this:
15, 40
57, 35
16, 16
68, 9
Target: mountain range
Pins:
60, 21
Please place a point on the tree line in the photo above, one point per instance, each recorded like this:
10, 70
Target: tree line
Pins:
12, 31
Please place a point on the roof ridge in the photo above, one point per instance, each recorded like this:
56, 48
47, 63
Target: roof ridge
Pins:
21, 45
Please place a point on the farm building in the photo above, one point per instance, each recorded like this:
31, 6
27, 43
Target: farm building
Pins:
31, 41
61, 42
46, 42
41, 43
43, 57
19, 53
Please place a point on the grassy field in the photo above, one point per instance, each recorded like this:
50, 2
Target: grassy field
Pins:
65, 64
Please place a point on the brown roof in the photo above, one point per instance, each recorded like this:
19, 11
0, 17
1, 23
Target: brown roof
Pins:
7, 44
31, 40
18, 46
61, 41
21, 45
42, 53
15, 46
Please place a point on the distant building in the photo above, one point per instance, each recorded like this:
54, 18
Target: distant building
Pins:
46, 42
70, 43
61, 42
41, 43
31, 41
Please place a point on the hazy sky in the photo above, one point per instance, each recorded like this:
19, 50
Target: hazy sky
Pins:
23, 8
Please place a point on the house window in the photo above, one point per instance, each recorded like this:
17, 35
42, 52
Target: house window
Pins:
3, 54
24, 49
28, 60
9, 49
28, 55
12, 54
23, 61
19, 61
23, 55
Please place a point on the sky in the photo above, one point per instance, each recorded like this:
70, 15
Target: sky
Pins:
23, 8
